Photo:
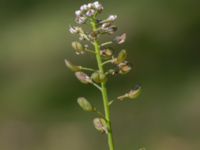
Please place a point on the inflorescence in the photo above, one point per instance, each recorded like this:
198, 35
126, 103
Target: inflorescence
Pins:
104, 53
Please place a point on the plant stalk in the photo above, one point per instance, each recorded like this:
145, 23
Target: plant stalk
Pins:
103, 88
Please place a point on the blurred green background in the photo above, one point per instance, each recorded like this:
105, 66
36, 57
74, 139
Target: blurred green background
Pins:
38, 109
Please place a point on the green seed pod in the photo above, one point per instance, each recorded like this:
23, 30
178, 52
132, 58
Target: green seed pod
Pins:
134, 93
72, 67
78, 47
101, 125
98, 77
112, 72
106, 53
85, 104
125, 68
121, 56
83, 77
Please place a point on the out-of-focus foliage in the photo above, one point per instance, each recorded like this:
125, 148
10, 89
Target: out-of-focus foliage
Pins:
38, 108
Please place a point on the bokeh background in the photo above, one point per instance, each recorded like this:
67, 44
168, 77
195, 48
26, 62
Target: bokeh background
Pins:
38, 109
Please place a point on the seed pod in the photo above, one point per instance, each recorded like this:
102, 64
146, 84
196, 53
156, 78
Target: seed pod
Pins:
124, 67
132, 94
107, 53
112, 72
83, 77
101, 125
79, 49
85, 104
111, 30
98, 77
120, 39
72, 67
121, 56
106, 25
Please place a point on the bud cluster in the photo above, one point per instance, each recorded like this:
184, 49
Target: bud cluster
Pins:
86, 11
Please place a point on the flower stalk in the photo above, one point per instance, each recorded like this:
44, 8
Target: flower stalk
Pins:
88, 15
103, 89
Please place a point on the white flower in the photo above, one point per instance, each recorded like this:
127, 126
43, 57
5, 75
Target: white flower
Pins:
73, 30
78, 13
112, 18
90, 5
80, 20
84, 7
90, 12
98, 6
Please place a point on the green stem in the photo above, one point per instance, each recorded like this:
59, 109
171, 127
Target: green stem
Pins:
103, 88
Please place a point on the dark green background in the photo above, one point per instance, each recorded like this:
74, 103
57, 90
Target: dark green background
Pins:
38, 109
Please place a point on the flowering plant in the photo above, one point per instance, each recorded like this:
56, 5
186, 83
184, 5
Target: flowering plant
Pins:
103, 52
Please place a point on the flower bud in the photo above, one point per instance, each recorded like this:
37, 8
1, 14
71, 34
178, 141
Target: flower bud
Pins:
120, 39
71, 66
79, 49
98, 77
85, 104
101, 125
83, 77
121, 56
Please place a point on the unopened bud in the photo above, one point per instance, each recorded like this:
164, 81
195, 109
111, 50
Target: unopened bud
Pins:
79, 49
71, 66
98, 77
85, 104
101, 125
120, 39
83, 77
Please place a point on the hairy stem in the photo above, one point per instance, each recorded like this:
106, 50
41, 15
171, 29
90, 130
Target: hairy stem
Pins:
103, 88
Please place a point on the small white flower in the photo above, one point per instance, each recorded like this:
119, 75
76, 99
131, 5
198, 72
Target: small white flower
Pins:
106, 25
90, 12
112, 18
98, 6
81, 20
90, 5
73, 30
78, 13
84, 7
